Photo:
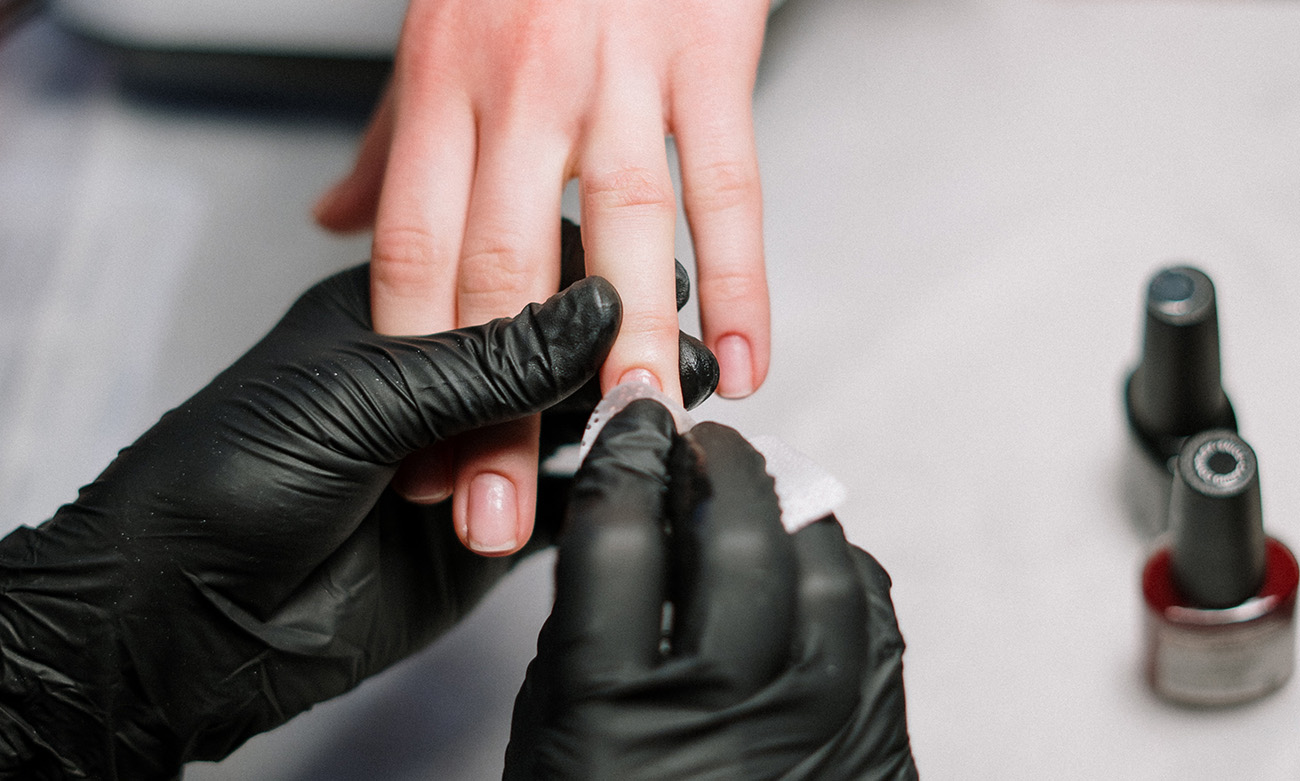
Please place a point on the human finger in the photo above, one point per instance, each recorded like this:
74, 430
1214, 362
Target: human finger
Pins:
722, 198
629, 218
874, 740
512, 238
350, 204
510, 256
421, 215
419, 222
611, 570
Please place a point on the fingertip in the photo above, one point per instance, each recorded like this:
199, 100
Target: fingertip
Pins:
418, 491
831, 615
699, 371
496, 487
424, 477
323, 210
641, 376
739, 613
728, 452
589, 311
683, 285
611, 570
596, 294
638, 439
340, 210
642, 353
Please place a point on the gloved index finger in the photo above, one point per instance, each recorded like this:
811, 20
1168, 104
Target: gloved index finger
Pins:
830, 628
507, 369
610, 575
736, 589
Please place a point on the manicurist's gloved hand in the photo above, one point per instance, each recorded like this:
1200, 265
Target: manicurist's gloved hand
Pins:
692, 637
244, 559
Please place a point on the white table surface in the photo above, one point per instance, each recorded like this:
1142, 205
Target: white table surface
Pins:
963, 202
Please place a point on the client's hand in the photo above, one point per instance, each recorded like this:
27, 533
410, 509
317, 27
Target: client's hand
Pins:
692, 637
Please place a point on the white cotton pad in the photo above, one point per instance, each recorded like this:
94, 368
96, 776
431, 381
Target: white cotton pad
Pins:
805, 491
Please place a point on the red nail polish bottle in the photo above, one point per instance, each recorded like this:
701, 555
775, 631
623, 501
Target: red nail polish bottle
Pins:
1220, 597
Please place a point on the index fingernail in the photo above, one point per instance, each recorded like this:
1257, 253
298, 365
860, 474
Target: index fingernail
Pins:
643, 376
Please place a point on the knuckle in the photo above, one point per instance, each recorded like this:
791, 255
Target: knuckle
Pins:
494, 279
610, 547
721, 288
625, 543
403, 256
632, 187
722, 185
650, 324
822, 587
746, 547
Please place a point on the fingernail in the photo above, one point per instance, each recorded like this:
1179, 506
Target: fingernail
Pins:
417, 494
643, 376
737, 364
492, 514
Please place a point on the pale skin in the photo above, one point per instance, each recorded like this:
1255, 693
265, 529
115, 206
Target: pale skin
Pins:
493, 107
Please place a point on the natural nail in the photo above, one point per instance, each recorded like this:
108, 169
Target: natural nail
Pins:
737, 364
493, 513
644, 376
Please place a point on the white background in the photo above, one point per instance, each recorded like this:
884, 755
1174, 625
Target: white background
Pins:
963, 202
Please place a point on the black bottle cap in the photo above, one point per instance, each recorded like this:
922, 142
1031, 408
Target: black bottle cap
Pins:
1175, 391
1217, 548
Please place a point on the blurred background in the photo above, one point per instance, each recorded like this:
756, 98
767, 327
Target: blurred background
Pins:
964, 199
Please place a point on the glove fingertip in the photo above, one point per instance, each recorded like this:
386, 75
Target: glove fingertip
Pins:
642, 429
579, 325
683, 285
592, 302
698, 369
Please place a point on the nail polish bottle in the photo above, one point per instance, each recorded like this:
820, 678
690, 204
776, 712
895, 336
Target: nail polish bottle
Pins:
1175, 391
1220, 596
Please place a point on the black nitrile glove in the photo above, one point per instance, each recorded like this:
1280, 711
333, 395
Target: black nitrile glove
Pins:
243, 560
778, 655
